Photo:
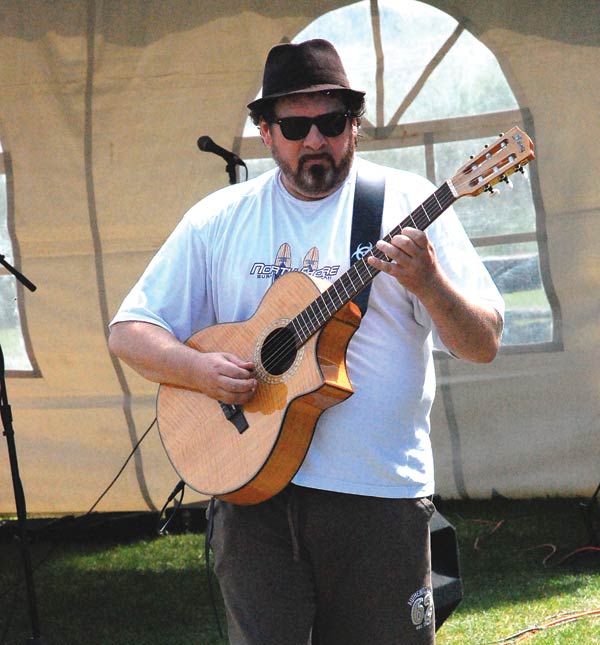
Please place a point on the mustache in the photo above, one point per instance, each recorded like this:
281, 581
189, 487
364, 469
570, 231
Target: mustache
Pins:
321, 156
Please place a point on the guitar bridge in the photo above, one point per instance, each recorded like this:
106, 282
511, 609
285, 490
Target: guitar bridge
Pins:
235, 415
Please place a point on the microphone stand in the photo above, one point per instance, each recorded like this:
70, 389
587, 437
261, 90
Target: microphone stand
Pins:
6, 414
230, 168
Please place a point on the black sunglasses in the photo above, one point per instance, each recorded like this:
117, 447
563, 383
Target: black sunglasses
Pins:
295, 128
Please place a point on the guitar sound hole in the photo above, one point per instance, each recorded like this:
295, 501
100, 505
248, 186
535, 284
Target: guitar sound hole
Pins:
278, 351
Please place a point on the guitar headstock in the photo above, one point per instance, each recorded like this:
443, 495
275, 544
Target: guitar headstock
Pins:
508, 154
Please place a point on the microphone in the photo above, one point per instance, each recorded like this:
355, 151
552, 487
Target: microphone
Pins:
206, 144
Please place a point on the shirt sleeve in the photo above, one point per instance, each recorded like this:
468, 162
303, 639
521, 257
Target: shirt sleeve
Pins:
172, 291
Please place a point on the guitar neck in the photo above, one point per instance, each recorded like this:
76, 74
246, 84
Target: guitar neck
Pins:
347, 286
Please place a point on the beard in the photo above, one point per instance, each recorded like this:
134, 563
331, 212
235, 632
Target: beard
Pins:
317, 175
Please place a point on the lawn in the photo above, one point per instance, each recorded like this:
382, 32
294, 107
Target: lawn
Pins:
517, 570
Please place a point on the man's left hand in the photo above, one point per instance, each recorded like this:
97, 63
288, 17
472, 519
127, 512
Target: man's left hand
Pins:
412, 260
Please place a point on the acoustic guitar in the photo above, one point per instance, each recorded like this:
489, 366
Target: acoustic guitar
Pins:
297, 339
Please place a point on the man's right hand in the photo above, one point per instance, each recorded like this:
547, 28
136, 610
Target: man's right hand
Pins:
157, 355
227, 378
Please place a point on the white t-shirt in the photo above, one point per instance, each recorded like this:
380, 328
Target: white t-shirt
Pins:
229, 248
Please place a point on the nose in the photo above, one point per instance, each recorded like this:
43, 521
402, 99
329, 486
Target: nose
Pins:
314, 139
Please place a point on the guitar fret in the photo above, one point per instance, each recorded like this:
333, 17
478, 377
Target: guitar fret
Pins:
428, 204
350, 275
296, 325
342, 294
343, 282
324, 296
307, 327
298, 330
318, 312
335, 296
369, 273
335, 288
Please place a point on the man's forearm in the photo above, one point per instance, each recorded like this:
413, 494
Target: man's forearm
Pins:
157, 355
470, 330
152, 351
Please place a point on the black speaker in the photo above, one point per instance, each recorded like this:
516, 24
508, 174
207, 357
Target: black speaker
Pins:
591, 517
445, 569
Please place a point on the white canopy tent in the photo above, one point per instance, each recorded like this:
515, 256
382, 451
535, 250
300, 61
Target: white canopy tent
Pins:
101, 104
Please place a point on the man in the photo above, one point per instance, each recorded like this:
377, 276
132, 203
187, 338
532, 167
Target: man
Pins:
343, 551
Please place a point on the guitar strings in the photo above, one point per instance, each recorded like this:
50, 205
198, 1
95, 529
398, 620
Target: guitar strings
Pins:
303, 326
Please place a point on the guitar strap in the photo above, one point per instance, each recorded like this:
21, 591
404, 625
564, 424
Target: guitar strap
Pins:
366, 223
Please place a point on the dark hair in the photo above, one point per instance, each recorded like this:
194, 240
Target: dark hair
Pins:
354, 104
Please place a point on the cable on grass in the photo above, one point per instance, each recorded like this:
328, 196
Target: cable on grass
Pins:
583, 549
495, 527
565, 558
552, 621
552, 548
477, 545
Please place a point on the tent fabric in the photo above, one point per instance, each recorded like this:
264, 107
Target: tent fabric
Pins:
101, 104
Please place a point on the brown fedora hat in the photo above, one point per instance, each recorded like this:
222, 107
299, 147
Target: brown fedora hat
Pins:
310, 66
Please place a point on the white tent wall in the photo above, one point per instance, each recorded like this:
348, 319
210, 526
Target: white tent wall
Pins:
101, 104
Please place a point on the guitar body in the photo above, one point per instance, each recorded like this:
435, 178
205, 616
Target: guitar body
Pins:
250, 457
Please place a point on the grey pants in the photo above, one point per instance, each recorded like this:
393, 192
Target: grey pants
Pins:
355, 570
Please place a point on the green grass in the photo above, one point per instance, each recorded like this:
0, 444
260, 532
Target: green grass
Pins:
507, 585
534, 299
154, 590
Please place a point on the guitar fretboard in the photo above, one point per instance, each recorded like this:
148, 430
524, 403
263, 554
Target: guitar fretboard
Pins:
347, 286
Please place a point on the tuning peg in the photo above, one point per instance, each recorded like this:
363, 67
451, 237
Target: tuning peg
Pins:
523, 172
492, 191
507, 181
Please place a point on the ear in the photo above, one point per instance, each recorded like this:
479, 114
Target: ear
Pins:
265, 133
